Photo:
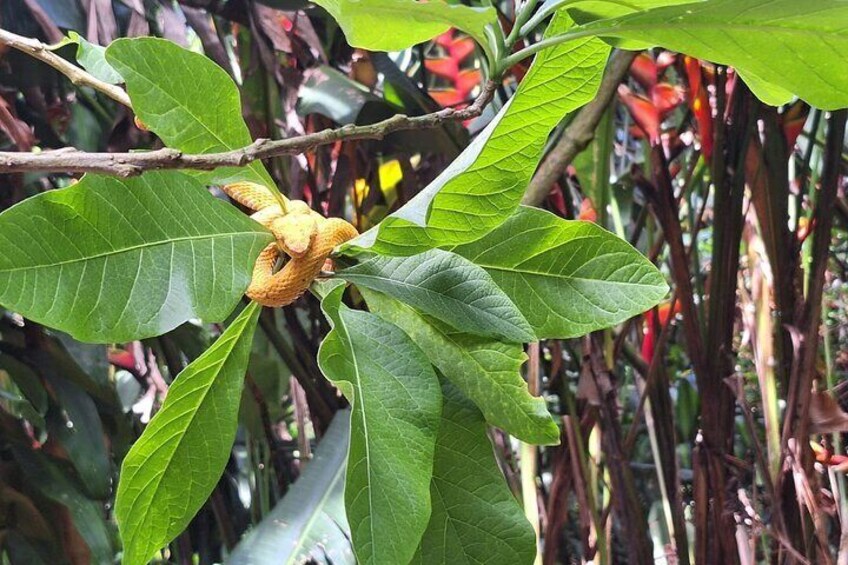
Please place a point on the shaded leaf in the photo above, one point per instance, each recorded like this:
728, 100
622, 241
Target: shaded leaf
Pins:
87, 515
187, 100
309, 523
396, 405
76, 426
483, 186
447, 287
475, 518
114, 260
568, 278
173, 467
485, 370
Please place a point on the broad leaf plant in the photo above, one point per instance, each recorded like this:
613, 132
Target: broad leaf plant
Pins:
428, 349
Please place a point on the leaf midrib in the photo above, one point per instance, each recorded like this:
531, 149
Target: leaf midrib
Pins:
564, 277
130, 249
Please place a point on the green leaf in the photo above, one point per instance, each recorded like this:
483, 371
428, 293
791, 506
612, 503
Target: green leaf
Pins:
475, 517
76, 425
93, 59
396, 405
394, 25
590, 10
114, 260
191, 103
446, 286
87, 515
483, 186
780, 45
485, 370
176, 463
309, 524
568, 278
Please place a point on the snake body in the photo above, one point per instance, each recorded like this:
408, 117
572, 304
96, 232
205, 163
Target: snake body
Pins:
302, 234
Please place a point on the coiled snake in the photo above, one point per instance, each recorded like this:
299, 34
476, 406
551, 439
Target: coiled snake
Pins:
304, 235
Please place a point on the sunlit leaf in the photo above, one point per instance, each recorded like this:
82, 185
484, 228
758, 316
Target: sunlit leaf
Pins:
113, 260
475, 519
568, 278
393, 25
187, 100
485, 370
447, 287
483, 186
173, 467
779, 45
396, 403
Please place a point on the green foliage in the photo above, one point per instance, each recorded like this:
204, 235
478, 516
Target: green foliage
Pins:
483, 186
93, 59
567, 278
392, 25
187, 100
173, 467
475, 518
396, 405
111, 260
779, 47
447, 287
309, 523
485, 370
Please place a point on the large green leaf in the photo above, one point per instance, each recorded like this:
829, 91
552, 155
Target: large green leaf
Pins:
309, 524
114, 260
585, 11
447, 287
568, 278
475, 518
393, 25
485, 370
396, 405
484, 185
190, 102
775, 44
173, 467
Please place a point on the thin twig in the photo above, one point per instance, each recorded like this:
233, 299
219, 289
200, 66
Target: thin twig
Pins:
131, 164
79, 77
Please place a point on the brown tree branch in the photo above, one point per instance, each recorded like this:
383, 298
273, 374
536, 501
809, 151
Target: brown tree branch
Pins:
78, 76
579, 132
70, 160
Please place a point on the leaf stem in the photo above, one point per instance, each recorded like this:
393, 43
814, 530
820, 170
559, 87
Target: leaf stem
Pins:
522, 15
578, 33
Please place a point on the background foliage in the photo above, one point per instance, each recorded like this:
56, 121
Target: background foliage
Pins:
732, 198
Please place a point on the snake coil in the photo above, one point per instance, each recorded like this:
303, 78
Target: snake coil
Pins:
302, 234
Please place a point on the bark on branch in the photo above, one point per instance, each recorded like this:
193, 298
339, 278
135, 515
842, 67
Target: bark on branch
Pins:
69, 160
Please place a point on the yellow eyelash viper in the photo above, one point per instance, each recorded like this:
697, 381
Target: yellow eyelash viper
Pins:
304, 235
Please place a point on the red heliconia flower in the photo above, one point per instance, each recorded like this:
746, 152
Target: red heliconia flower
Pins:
467, 81
644, 112
793, 121
644, 70
699, 102
445, 67
666, 97
460, 48
651, 329
447, 96
587, 211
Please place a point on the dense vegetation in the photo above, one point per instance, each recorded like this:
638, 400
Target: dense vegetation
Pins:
388, 281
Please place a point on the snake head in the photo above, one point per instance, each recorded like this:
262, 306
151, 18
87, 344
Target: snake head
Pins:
295, 233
